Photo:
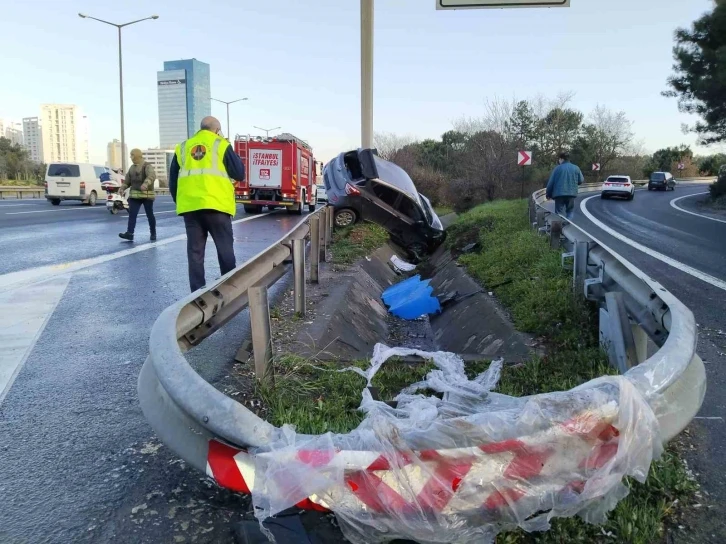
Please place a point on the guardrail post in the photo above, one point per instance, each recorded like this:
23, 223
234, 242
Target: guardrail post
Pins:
315, 249
580, 267
329, 226
622, 350
323, 236
555, 234
261, 333
298, 264
641, 343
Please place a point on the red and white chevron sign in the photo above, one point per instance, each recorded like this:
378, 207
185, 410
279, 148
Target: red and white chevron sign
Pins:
504, 481
524, 158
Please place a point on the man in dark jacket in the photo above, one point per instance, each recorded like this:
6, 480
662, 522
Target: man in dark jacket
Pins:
563, 184
140, 178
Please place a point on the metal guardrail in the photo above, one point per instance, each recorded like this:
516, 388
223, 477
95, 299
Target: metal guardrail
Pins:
673, 379
186, 411
212, 432
18, 193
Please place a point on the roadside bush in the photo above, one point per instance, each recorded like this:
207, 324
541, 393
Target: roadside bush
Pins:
718, 189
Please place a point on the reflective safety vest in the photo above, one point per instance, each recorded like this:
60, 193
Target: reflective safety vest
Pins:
203, 181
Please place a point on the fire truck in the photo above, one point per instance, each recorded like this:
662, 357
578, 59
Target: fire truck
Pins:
280, 174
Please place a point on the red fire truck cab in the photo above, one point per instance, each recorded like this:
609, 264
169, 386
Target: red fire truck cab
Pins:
280, 174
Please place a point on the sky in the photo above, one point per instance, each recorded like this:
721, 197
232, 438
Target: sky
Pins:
298, 63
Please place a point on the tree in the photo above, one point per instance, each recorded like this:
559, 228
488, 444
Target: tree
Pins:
15, 163
388, 143
522, 126
699, 81
712, 164
666, 160
603, 139
557, 132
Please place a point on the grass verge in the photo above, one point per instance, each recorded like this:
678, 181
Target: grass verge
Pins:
353, 243
317, 399
441, 211
528, 279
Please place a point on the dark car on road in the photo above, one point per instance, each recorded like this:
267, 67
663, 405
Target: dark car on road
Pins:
661, 181
362, 186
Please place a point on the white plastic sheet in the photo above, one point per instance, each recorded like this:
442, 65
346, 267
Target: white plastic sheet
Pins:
464, 467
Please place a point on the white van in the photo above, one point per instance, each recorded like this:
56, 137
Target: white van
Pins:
74, 181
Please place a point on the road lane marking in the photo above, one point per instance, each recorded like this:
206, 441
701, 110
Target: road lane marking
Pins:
25, 315
61, 210
651, 252
677, 207
13, 280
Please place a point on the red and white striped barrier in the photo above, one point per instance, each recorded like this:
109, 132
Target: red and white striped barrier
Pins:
477, 491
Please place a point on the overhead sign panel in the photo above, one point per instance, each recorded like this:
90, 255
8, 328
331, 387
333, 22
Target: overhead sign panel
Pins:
500, 4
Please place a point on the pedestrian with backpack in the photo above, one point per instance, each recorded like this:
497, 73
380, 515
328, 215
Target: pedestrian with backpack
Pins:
140, 179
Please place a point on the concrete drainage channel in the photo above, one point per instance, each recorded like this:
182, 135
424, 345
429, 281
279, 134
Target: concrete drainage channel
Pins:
473, 462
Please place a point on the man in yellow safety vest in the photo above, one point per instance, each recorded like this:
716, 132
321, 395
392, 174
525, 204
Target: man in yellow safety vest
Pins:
200, 184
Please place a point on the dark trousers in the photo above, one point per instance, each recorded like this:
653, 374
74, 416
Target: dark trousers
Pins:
199, 224
565, 206
134, 207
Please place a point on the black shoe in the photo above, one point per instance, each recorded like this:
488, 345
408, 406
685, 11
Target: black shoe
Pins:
153, 237
127, 236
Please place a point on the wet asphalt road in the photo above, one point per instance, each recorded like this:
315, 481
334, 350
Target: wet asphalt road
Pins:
699, 243
78, 462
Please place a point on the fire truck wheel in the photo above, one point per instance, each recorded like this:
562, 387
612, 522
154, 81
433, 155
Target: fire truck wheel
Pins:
253, 209
311, 207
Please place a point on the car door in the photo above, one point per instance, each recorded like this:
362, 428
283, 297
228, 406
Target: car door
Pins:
411, 227
379, 204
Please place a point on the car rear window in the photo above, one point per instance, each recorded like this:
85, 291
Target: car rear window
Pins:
658, 176
617, 180
64, 170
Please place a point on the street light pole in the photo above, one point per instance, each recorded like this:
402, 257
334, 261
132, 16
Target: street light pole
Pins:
267, 130
120, 76
229, 132
366, 72
121, 100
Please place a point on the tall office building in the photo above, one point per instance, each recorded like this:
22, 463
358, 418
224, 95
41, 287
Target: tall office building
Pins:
114, 154
160, 159
184, 100
65, 133
33, 136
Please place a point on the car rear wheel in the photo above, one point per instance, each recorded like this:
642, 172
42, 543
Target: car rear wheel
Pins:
55, 202
603, 196
345, 218
631, 196
92, 199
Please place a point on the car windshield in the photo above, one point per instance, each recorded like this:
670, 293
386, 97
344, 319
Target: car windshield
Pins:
427, 209
657, 176
617, 180
64, 170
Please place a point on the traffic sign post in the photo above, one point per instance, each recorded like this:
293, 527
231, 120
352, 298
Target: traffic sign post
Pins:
524, 159
500, 4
